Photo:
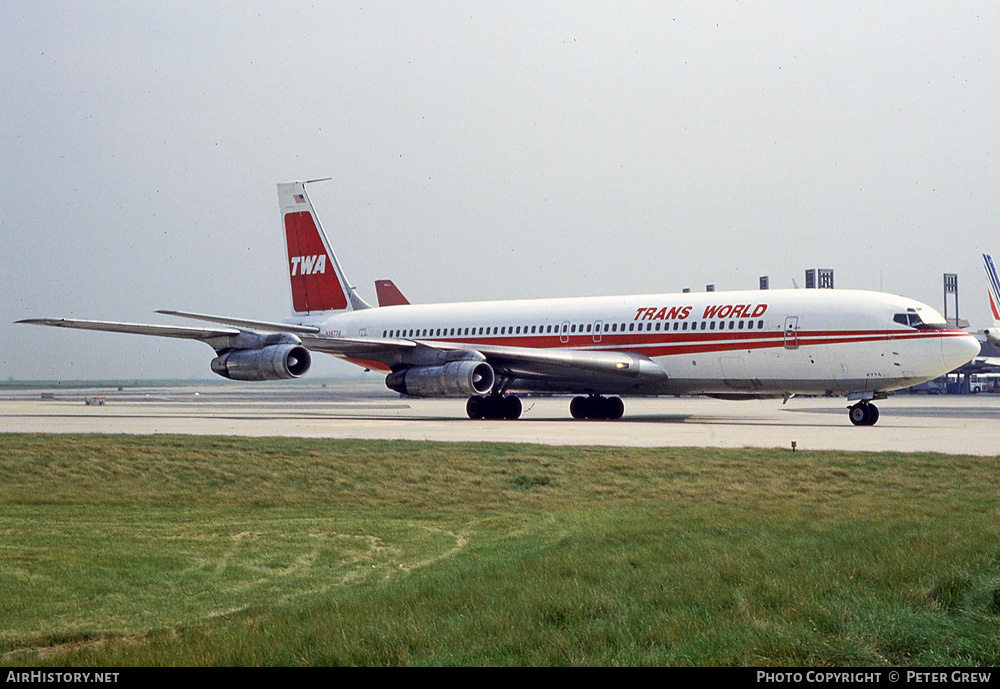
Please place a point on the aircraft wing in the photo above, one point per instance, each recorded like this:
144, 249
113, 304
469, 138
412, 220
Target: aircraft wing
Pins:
266, 326
988, 362
524, 363
180, 331
534, 363
514, 363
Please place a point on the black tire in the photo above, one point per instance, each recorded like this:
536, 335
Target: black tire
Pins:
511, 407
597, 407
476, 407
861, 414
615, 408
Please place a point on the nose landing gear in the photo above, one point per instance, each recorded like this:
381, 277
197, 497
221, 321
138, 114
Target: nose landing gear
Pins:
863, 413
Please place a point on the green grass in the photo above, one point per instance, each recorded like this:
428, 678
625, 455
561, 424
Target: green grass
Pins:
184, 550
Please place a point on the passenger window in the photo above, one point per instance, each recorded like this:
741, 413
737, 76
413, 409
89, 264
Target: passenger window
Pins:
711, 325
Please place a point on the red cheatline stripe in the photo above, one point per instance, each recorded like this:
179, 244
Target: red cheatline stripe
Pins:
655, 344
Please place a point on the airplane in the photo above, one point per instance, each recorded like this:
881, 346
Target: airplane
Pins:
993, 287
732, 345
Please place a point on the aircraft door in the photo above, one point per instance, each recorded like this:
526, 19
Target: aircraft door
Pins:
564, 332
597, 330
791, 332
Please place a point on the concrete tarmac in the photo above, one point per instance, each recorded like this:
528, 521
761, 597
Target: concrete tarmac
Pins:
957, 424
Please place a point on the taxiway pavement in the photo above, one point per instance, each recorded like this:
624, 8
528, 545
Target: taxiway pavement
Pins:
967, 424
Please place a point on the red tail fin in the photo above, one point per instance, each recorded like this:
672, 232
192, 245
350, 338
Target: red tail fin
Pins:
388, 294
317, 281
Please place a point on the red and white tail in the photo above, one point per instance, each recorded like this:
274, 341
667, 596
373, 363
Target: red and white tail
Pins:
317, 280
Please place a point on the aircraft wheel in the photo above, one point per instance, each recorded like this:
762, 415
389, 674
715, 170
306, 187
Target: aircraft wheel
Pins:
511, 407
578, 408
494, 407
864, 414
615, 408
476, 407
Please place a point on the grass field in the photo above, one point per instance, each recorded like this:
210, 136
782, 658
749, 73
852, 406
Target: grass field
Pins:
184, 550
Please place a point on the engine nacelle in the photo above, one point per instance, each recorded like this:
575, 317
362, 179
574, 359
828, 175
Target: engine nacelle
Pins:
454, 379
275, 362
993, 336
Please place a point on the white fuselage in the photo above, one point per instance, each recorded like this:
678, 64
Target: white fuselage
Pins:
768, 342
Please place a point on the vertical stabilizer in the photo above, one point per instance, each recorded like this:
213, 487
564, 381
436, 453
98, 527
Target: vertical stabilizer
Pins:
315, 275
388, 294
994, 287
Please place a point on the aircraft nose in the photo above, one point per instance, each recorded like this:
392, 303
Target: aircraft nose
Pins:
959, 350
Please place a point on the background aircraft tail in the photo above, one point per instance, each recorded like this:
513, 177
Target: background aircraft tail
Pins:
317, 280
388, 294
994, 286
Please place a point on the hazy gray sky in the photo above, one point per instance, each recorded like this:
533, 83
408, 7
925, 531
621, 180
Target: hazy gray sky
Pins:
481, 151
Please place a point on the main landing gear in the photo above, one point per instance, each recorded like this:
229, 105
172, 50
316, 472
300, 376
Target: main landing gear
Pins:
863, 413
597, 407
493, 407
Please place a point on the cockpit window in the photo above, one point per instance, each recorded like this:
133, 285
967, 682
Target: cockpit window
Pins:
910, 318
931, 319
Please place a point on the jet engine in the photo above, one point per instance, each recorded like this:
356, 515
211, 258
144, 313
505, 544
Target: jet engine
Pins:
454, 379
274, 362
